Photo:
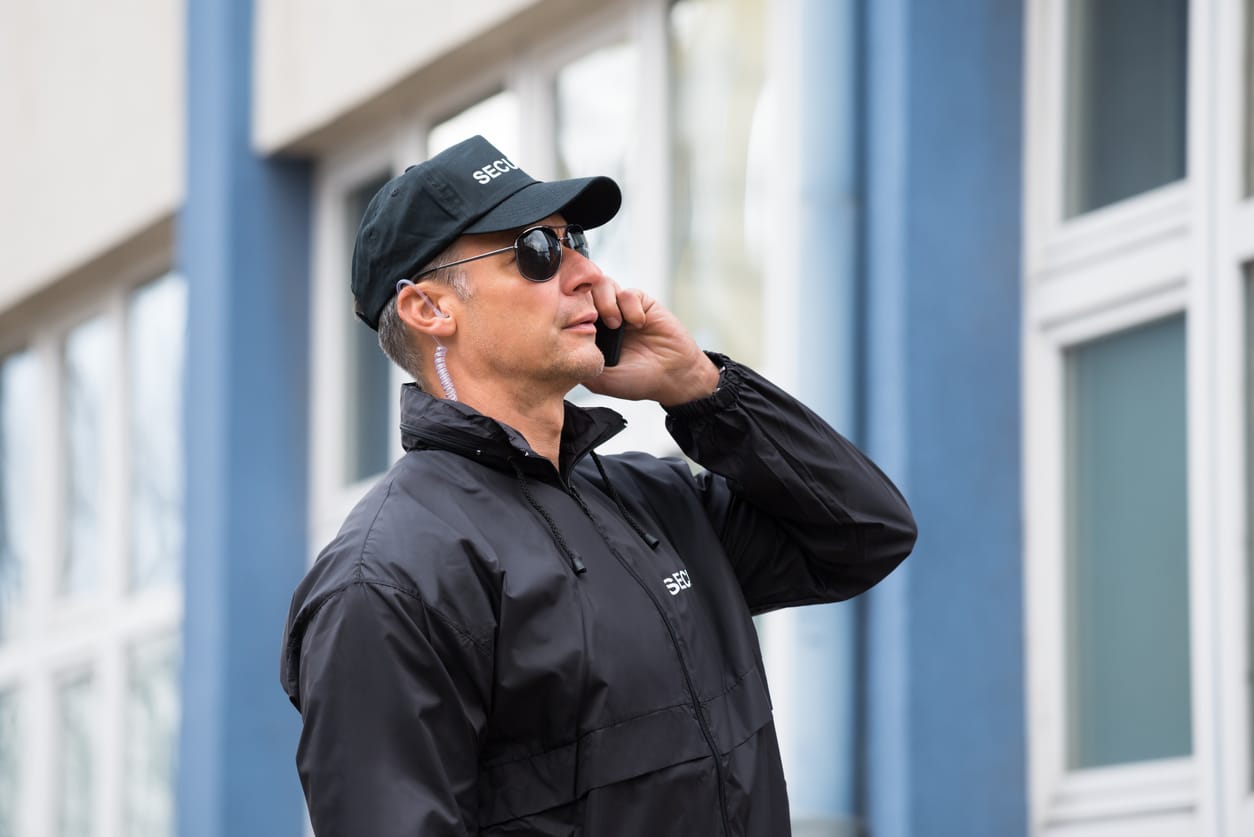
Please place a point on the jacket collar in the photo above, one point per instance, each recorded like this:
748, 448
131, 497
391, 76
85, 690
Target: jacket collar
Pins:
430, 423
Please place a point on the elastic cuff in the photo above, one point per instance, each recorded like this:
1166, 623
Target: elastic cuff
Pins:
725, 394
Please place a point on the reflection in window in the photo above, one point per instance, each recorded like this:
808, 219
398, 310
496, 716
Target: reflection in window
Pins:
596, 135
495, 118
152, 713
17, 403
75, 785
1127, 539
369, 371
717, 108
157, 327
1126, 99
87, 364
10, 749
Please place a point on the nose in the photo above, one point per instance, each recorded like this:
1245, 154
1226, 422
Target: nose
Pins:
578, 273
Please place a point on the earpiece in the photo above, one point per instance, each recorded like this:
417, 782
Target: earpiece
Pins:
441, 351
437, 311
425, 298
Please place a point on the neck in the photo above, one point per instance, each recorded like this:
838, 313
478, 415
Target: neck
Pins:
537, 415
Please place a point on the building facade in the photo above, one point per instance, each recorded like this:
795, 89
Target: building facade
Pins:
1004, 246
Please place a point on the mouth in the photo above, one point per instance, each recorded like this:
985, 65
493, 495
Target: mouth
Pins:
584, 323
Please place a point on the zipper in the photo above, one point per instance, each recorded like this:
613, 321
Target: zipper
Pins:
683, 663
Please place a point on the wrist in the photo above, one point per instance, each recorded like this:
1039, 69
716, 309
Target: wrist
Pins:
699, 381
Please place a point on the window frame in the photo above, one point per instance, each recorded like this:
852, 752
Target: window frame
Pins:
1180, 248
62, 638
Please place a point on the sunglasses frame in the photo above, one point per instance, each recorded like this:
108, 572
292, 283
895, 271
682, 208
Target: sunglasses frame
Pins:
550, 234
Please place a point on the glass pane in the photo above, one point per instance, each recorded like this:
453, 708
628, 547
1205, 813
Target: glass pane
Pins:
1128, 580
152, 713
595, 135
157, 324
495, 117
75, 786
1126, 98
1249, 496
86, 376
10, 775
719, 117
17, 468
367, 424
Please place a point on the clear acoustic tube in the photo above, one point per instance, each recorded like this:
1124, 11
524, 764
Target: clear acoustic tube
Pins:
441, 372
441, 367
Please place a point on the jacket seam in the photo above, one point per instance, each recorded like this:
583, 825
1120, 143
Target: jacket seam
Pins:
359, 576
621, 722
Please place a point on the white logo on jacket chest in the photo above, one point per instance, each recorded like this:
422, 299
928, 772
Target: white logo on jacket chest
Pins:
676, 582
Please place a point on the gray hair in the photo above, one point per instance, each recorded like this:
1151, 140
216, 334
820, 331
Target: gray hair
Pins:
395, 338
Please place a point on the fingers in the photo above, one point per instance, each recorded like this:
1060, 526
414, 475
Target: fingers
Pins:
616, 305
605, 298
633, 304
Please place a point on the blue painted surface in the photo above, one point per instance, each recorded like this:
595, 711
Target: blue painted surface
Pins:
824, 746
243, 244
946, 744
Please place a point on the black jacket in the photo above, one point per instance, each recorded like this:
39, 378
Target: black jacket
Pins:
494, 646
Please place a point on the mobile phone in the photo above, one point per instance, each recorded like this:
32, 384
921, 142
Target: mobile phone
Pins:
610, 342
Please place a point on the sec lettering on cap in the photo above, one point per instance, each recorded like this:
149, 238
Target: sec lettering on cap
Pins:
493, 170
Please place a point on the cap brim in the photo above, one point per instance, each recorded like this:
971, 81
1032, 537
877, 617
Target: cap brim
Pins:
586, 201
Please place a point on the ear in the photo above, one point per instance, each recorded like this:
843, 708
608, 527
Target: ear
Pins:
425, 306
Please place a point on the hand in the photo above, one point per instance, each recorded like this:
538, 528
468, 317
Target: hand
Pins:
660, 360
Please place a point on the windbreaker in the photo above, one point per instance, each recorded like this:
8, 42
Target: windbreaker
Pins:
494, 645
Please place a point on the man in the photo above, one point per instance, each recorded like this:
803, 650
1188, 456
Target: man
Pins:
512, 635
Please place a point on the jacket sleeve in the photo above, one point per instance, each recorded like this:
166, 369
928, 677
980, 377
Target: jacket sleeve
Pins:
803, 515
392, 699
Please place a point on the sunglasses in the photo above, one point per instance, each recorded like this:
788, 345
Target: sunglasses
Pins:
537, 251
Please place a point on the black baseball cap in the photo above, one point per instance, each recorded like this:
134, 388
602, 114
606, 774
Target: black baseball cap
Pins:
469, 188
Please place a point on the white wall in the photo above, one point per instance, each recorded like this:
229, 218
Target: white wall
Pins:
91, 131
320, 59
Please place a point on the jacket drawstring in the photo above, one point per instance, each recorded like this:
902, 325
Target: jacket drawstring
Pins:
576, 562
622, 509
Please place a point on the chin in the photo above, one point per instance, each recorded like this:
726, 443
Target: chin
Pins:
587, 365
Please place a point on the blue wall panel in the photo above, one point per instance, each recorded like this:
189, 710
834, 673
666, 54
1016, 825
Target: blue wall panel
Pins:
946, 747
243, 243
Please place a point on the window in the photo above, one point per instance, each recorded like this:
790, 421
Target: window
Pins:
594, 134
157, 322
495, 117
717, 95
91, 541
1126, 98
152, 713
1127, 592
1137, 453
17, 391
75, 784
10, 766
368, 429
86, 365
1248, 409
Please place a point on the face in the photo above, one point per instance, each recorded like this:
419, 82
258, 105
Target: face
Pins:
538, 337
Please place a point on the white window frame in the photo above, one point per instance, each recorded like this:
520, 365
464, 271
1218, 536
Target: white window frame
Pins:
1178, 249
59, 638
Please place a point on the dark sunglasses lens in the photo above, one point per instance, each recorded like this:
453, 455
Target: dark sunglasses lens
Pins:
578, 240
539, 254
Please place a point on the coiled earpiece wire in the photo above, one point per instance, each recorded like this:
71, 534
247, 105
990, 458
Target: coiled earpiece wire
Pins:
441, 367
